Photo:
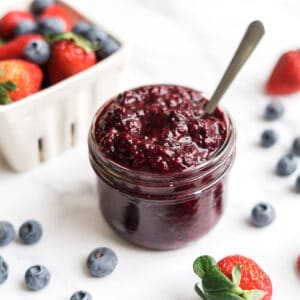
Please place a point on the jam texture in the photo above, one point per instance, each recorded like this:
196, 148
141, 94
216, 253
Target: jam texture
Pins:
159, 128
161, 165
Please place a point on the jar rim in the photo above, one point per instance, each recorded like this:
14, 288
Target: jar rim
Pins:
155, 176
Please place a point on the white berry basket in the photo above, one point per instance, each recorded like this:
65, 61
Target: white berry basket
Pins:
39, 127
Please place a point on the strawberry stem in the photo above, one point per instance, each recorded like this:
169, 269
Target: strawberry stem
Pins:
5, 88
77, 39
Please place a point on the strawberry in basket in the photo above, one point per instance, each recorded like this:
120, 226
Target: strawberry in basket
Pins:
18, 79
70, 54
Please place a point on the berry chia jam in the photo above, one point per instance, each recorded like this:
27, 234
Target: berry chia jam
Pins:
161, 165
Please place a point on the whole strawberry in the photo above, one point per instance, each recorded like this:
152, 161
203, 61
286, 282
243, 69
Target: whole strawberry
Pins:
285, 77
70, 54
233, 278
9, 22
19, 79
15, 48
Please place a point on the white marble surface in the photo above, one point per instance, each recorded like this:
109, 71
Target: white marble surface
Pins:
188, 42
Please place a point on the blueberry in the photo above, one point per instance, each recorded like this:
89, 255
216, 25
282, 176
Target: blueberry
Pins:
7, 233
97, 36
25, 26
286, 165
108, 48
81, 28
298, 184
268, 138
296, 146
262, 214
274, 111
81, 295
38, 6
51, 25
101, 262
37, 278
30, 232
37, 51
3, 270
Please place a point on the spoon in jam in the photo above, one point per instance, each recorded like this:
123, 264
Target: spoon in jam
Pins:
247, 45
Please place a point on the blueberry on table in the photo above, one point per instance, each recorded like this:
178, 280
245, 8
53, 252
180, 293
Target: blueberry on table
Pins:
268, 138
38, 6
30, 232
274, 111
37, 51
37, 278
101, 262
3, 270
81, 295
51, 25
108, 48
296, 146
286, 165
262, 214
7, 233
81, 28
25, 26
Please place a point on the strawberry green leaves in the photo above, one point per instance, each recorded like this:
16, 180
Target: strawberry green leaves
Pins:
217, 286
5, 88
202, 264
77, 39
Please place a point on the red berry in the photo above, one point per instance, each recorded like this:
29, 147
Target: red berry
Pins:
253, 277
285, 77
15, 48
26, 76
9, 22
69, 56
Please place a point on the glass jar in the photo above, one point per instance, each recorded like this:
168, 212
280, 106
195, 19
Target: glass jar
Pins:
163, 211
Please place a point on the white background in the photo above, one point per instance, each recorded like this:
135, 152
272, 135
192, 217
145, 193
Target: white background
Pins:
188, 42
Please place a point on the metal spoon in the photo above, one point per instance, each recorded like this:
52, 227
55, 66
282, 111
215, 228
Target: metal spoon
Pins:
247, 45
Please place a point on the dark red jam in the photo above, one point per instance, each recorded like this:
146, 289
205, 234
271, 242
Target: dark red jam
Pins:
162, 167
159, 129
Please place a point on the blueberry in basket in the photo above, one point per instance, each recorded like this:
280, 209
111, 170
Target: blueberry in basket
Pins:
44, 34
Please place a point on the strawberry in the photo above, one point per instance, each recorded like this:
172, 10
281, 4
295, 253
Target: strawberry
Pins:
70, 54
9, 22
285, 77
15, 48
19, 79
56, 10
252, 276
233, 278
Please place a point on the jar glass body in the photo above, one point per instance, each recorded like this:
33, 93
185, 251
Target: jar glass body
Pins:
164, 211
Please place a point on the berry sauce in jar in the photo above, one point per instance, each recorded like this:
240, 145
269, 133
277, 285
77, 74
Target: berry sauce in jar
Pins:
161, 164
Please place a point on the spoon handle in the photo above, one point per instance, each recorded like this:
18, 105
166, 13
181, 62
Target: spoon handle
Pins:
249, 42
